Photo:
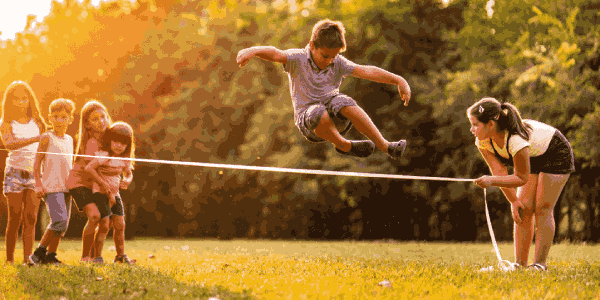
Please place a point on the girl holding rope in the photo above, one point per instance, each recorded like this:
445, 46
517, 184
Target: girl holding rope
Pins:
542, 159
20, 127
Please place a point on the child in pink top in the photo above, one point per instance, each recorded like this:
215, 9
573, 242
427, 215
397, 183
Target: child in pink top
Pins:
94, 122
106, 171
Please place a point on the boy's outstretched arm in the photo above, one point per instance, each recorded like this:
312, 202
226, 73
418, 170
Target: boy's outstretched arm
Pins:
380, 75
269, 53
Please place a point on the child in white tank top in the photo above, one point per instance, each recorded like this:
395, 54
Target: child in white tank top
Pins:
51, 173
20, 126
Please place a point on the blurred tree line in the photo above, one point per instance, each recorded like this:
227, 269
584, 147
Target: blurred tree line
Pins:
168, 68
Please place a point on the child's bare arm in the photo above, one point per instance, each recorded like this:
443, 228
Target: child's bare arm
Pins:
127, 177
380, 75
269, 53
91, 169
13, 143
37, 165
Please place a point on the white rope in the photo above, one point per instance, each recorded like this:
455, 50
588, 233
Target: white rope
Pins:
504, 265
267, 169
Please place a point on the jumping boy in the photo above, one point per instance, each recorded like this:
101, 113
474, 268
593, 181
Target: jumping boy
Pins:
315, 73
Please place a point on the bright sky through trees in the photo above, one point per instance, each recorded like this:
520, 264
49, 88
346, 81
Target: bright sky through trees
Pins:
13, 14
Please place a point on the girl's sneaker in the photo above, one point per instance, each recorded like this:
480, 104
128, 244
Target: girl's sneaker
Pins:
124, 259
98, 260
504, 267
537, 267
38, 257
51, 259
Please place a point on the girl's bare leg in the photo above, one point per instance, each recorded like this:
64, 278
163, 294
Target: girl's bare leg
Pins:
118, 225
15, 208
87, 239
549, 188
523, 233
100, 237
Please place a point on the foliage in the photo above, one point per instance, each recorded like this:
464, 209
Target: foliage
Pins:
172, 75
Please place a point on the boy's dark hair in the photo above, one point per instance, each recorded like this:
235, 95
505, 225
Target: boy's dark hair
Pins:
60, 104
329, 34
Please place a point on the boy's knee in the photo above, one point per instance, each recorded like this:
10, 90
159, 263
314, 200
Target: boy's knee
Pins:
59, 226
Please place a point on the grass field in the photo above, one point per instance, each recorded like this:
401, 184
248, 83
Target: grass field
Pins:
257, 269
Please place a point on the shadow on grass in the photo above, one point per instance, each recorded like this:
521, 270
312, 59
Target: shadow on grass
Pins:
112, 281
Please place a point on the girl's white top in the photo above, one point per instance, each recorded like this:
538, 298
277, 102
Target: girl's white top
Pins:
23, 160
110, 170
56, 167
539, 140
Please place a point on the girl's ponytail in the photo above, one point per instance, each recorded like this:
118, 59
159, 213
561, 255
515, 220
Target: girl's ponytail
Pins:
510, 119
505, 114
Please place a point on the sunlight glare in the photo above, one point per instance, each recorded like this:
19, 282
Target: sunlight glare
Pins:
13, 14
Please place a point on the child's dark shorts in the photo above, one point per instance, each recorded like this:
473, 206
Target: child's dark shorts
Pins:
308, 119
117, 209
558, 159
84, 196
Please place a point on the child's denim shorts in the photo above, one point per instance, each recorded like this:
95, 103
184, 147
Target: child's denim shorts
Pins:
309, 118
17, 181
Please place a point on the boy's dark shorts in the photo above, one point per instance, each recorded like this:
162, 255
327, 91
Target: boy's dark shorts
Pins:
308, 119
84, 196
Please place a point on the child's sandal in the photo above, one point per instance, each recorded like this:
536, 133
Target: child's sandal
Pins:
537, 267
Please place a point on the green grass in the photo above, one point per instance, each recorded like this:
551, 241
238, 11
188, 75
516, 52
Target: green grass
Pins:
256, 269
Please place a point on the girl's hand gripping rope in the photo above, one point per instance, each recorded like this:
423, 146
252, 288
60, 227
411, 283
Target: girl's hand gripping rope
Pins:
484, 181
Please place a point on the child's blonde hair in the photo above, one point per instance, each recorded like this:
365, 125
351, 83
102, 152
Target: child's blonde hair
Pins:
62, 104
84, 134
329, 34
33, 111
